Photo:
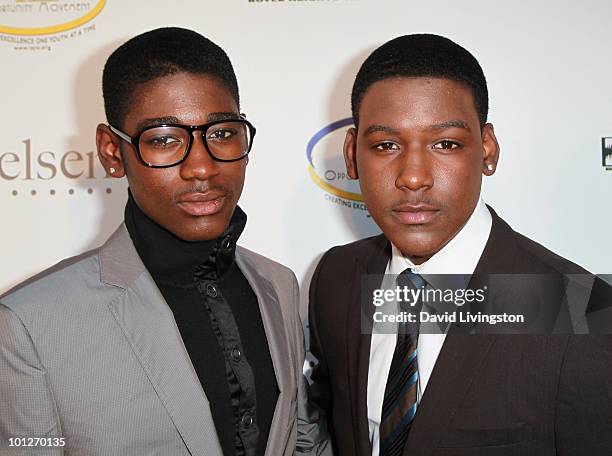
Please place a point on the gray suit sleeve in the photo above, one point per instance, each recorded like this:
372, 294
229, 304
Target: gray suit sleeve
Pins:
28, 408
313, 437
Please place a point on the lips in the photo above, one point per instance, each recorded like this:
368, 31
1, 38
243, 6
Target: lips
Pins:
201, 204
415, 214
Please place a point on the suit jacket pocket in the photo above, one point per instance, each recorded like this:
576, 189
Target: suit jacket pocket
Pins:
483, 437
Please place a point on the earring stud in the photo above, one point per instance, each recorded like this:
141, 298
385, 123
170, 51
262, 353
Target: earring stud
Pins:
490, 167
111, 170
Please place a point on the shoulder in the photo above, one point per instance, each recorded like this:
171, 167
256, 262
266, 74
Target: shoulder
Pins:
342, 255
591, 290
518, 253
342, 268
266, 267
67, 277
538, 253
71, 290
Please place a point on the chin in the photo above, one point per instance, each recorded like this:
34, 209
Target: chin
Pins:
416, 252
202, 228
199, 235
195, 232
415, 246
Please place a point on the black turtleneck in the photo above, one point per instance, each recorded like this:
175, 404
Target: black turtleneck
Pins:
218, 316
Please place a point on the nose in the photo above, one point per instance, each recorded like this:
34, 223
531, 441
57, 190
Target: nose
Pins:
199, 164
415, 169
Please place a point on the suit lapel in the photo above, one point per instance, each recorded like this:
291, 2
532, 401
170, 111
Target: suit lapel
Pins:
368, 275
276, 335
149, 326
498, 256
455, 369
461, 355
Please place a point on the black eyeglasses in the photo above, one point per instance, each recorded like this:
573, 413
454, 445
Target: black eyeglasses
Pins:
163, 146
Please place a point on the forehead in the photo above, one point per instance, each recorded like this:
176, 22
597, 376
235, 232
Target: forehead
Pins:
186, 96
417, 100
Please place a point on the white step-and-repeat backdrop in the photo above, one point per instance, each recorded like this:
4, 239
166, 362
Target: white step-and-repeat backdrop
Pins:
550, 80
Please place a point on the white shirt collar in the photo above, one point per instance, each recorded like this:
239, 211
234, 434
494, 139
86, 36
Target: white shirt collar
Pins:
459, 256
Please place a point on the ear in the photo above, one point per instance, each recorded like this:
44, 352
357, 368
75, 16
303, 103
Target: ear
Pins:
109, 152
490, 148
350, 153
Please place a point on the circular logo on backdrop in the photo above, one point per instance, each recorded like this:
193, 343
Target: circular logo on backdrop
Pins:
38, 24
326, 161
37, 17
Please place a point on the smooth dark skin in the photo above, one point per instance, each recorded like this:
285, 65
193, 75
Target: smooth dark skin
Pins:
192, 99
419, 141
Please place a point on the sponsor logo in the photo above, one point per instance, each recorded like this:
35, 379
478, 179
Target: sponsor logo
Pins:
38, 24
606, 153
29, 169
327, 168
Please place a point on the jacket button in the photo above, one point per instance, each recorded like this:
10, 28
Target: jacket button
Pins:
236, 354
211, 290
247, 420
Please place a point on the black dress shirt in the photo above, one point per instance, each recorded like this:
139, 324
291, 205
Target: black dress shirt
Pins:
217, 314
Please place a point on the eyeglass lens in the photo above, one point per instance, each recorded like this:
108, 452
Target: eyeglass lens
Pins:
168, 145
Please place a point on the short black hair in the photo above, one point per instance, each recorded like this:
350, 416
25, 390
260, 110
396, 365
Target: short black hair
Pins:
157, 53
422, 55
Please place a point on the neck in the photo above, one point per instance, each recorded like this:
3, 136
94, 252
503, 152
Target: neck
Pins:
170, 259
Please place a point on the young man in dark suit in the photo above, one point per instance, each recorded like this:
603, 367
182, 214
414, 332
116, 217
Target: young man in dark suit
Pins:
420, 146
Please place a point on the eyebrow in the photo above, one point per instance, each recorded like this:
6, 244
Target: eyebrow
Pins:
212, 117
436, 127
382, 128
450, 124
153, 121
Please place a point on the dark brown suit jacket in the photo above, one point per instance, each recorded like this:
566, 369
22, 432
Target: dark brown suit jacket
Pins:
488, 394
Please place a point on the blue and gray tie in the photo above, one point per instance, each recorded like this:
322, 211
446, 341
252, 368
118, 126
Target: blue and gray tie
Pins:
400, 399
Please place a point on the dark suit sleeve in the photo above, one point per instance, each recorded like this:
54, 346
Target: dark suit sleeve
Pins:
27, 408
583, 422
315, 404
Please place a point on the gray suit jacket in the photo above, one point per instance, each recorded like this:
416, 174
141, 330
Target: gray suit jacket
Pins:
90, 351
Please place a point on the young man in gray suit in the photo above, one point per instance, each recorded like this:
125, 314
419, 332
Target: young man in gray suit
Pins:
169, 339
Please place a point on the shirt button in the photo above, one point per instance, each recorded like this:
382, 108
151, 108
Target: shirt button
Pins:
247, 420
236, 355
211, 290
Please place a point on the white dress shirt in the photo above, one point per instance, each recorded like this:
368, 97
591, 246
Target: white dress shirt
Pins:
459, 256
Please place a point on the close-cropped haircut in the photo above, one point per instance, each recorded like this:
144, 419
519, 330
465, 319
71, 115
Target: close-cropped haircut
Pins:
422, 55
157, 53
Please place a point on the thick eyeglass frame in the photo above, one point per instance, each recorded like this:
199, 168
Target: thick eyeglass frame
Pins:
135, 140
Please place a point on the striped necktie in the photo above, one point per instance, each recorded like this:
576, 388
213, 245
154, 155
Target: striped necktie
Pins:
400, 399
